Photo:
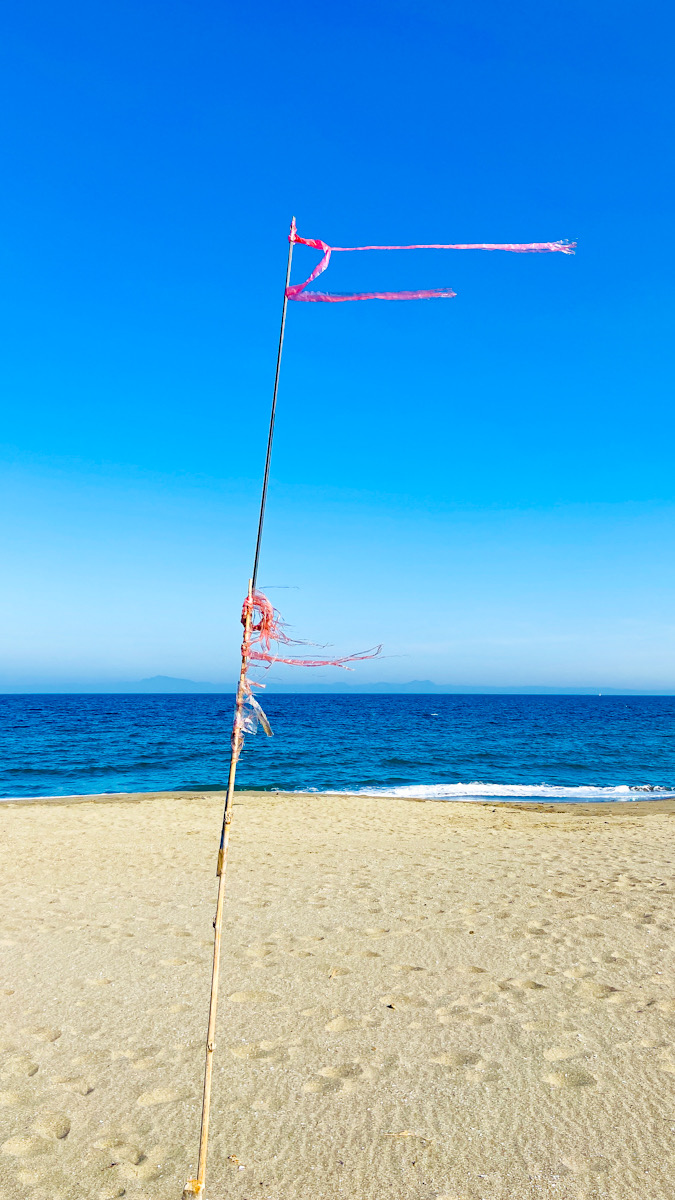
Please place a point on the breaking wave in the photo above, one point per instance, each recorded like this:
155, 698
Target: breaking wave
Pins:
522, 791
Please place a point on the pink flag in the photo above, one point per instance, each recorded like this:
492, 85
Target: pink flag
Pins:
297, 290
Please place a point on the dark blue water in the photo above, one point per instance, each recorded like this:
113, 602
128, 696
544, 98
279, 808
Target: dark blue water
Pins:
537, 747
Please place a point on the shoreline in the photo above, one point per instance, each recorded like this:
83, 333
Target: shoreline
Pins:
643, 807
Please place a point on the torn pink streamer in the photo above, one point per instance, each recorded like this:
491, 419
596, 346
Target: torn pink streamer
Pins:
297, 291
267, 628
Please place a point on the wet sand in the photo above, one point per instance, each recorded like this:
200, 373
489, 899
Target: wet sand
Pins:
466, 1001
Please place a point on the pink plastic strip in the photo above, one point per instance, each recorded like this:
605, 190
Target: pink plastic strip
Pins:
267, 629
336, 297
297, 290
260, 656
518, 247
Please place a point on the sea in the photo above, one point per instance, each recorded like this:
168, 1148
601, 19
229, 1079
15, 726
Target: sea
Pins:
444, 747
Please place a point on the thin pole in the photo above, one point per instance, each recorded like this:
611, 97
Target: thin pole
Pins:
195, 1187
273, 413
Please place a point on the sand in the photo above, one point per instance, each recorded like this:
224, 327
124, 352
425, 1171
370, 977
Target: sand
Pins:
442, 1000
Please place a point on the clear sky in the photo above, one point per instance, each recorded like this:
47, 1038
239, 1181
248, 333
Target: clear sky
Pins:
485, 484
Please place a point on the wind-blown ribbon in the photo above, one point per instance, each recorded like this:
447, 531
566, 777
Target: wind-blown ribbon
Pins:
267, 628
266, 631
296, 291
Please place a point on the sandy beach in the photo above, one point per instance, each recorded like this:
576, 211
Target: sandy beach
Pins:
458, 1001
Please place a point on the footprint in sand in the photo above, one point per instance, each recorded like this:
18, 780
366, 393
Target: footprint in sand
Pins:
445, 1015
21, 1064
459, 1012
560, 1053
253, 998
537, 928
142, 1056
128, 1156
456, 1058
27, 1147
44, 1033
259, 1052
595, 991
351, 1070
667, 1063
570, 1077
145, 1171
162, 1096
345, 1024
259, 1104
93, 1058
323, 1086
52, 1125
30, 1178
485, 1071
587, 1165
339, 1079
77, 1085
259, 950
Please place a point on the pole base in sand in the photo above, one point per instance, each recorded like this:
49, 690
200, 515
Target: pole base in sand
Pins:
193, 1188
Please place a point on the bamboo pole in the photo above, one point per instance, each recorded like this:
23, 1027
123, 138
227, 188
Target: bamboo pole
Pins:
273, 412
195, 1187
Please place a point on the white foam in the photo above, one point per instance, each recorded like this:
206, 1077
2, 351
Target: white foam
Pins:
521, 791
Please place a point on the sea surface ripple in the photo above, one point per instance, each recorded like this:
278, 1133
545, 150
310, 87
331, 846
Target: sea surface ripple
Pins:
574, 748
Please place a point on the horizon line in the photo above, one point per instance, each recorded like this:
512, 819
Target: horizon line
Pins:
366, 689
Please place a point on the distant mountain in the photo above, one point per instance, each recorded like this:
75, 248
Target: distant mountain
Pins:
167, 683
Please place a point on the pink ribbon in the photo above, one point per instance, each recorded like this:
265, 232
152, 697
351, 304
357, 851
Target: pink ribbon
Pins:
297, 291
267, 628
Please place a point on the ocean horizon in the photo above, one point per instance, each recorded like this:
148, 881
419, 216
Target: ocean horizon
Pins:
173, 685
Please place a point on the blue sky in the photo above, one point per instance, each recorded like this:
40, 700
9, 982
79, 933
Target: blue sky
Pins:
485, 484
